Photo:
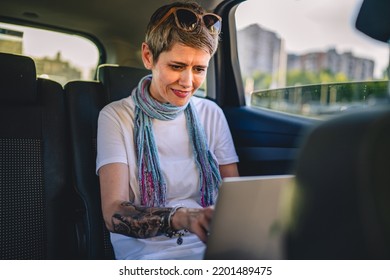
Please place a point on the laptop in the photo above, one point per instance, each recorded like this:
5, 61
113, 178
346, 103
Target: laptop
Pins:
247, 222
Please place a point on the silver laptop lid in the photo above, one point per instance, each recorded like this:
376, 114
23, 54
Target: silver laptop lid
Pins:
247, 222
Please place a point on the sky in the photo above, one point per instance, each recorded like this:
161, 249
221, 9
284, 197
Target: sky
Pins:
314, 25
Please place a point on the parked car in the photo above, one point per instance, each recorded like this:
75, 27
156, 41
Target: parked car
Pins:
61, 62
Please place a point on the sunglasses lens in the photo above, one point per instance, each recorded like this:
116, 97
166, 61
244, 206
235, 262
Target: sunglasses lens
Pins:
212, 23
186, 19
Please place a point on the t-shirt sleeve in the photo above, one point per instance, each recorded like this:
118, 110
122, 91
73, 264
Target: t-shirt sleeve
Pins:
224, 148
217, 132
110, 141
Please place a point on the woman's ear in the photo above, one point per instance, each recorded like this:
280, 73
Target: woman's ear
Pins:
147, 56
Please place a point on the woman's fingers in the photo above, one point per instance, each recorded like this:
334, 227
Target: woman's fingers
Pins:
200, 232
200, 221
196, 220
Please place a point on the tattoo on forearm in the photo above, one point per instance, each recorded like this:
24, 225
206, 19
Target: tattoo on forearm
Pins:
139, 221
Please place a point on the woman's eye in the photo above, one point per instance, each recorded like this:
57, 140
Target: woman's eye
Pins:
200, 70
176, 67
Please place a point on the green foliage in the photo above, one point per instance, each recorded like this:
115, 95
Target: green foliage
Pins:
297, 77
261, 80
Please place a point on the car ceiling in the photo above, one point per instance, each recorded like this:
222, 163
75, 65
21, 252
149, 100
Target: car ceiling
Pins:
119, 25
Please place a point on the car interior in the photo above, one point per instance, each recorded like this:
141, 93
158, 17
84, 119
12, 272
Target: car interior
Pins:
49, 190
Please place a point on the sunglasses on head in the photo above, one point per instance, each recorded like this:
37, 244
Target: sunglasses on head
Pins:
188, 20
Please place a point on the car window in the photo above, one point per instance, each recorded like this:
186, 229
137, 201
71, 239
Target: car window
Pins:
286, 46
58, 56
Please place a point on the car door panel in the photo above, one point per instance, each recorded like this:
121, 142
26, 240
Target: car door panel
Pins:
266, 141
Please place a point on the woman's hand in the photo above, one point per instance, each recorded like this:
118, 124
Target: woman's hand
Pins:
195, 220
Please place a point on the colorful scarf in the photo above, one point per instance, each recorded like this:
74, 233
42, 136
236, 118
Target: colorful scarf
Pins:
151, 181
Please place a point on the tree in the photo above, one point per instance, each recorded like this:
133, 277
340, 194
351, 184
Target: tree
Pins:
297, 77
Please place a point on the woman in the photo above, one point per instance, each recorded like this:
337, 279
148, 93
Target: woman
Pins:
162, 152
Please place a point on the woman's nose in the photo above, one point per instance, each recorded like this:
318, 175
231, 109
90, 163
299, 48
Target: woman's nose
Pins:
186, 79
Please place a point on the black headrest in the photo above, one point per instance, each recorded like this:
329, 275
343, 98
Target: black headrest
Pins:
374, 20
119, 81
18, 78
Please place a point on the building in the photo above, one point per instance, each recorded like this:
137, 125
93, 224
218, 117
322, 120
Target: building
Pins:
57, 69
261, 50
355, 68
11, 41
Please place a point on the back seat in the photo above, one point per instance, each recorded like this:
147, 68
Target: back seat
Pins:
41, 215
35, 188
84, 101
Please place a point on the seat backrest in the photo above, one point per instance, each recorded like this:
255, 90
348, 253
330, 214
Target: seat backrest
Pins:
341, 208
35, 191
119, 81
84, 101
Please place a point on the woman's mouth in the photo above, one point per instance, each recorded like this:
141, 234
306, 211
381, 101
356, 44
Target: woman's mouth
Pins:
180, 93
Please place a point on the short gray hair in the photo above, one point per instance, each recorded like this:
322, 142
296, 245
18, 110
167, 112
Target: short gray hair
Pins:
164, 36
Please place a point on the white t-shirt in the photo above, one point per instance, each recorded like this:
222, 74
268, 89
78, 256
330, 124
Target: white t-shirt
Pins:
115, 144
